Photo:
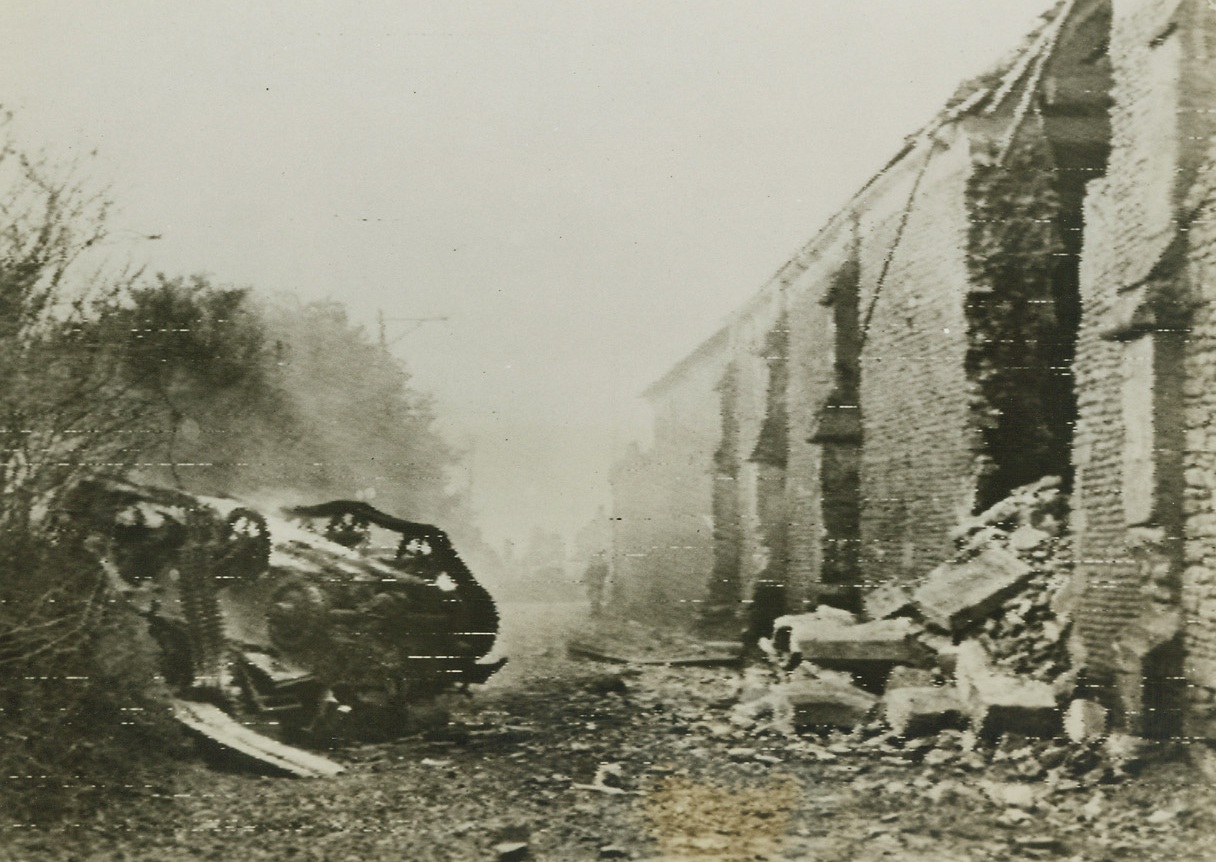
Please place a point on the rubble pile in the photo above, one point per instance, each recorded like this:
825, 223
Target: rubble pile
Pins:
978, 647
1028, 632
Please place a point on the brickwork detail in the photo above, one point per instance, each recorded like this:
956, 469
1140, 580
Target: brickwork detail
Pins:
917, 477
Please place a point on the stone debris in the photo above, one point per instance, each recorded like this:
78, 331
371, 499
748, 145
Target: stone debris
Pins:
824, 703
1085, 721
1013, 795
609, 778
958, 594
864, 647
1027, 632
792, 629
1000, 702
913, 712
886, 601
971, 678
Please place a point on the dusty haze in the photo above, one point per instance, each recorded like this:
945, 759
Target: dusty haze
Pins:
583, 190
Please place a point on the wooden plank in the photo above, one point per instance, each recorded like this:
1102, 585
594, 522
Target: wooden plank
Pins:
219, 727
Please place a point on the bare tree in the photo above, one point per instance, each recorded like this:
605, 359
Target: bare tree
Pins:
64, 408
68, 656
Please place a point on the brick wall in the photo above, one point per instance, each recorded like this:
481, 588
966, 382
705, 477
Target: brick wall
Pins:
813, 356
917, 461
1199, 578
1129, 225
1144, 519
1197, 125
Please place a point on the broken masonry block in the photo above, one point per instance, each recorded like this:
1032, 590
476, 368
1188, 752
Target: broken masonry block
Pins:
792, 628
943, 650
982, 538
863, 647
903, 676
1085, 721
886, 601
959, 594
1027, 538
923, 711
1065, 684
1012, 705
999, 702
825, 703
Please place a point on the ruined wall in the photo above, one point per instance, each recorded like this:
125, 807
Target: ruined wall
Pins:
813, 379
724, 592
917, 461
1197, 222
1199, 579
771, 455
1142, 507
1015, 334
970, 299
1129, 223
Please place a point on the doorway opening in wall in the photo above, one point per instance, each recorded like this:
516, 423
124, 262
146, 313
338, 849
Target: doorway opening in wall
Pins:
1027, 198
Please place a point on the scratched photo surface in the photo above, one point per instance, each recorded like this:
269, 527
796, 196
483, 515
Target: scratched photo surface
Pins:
667, 430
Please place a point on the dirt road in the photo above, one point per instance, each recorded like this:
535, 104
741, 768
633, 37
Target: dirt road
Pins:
569, 761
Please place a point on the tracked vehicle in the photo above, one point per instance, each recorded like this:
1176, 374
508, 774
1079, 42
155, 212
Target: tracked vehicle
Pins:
310, 624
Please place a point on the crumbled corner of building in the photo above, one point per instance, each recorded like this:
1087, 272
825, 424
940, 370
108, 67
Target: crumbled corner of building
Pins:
970, 666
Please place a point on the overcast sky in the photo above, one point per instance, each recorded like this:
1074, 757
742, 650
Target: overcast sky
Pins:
585, 190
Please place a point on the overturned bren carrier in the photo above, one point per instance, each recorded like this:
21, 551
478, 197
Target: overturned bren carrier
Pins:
301, 625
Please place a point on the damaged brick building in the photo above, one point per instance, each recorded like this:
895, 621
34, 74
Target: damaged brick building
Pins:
1026, 290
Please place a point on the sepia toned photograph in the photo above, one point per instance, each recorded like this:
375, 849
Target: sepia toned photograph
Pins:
654, 430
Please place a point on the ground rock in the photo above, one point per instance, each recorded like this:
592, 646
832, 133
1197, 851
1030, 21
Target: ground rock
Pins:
1012, 794
1085, 721
825, 703
958, 594
942, 648
511, 851
912, 712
